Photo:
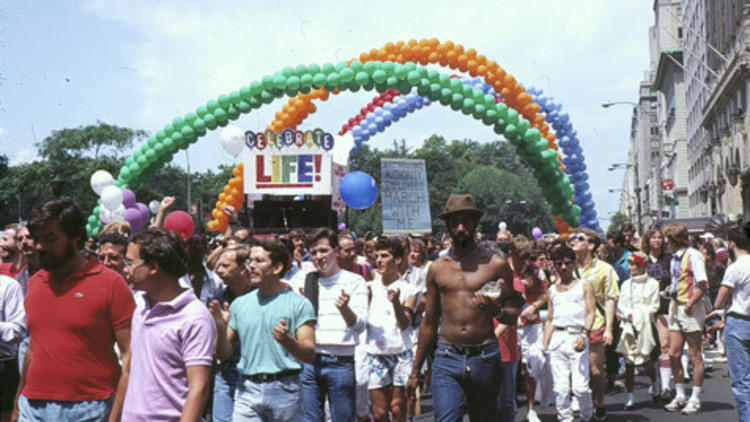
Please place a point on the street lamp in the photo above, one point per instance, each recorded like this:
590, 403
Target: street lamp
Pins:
57, 184
609, 104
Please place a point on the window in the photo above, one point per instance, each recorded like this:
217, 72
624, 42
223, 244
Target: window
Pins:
679, 32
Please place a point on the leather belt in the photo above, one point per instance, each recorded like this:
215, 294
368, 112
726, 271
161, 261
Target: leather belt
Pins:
271, 377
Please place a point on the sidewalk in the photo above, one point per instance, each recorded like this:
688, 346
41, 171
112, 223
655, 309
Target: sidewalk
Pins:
717, 400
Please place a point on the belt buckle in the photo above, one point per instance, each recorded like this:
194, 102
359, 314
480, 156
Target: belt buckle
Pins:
264, 377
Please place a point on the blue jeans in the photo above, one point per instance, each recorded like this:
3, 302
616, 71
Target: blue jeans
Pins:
268, 401
737, 341
225, 383
465, 380
50, 410
22, 347
506, 398
332, 377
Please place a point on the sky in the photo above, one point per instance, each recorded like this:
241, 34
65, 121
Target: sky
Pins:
139, 64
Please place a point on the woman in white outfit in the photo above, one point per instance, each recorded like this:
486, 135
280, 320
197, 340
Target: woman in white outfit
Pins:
569, 320
636, 307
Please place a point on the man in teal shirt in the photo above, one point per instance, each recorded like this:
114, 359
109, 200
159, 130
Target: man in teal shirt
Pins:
276, 331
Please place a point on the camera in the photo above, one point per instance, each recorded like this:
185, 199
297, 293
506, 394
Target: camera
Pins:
668, 294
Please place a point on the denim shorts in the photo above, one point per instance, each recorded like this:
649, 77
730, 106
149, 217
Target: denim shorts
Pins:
51, 410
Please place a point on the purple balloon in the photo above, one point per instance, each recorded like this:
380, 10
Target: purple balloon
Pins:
132, 216
536, 232
128, 198
143, 212
342, 226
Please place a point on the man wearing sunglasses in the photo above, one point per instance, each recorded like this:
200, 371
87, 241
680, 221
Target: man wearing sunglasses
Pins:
604, 280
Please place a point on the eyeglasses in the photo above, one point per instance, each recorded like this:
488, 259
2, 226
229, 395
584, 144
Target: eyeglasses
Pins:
578, 237
568, 263
131, 262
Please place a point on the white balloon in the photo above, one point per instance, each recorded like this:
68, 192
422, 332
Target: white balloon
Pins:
154, 206
105, 215
119, 213
112, 197
232, 139
100, 180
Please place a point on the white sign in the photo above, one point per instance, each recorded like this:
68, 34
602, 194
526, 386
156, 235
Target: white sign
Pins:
406, 205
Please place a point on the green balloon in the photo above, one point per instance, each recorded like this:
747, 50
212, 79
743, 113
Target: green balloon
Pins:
169, 129
341, 66
212, 105
224, 101
370, 67
445, 97
279, 81
523, 125
400, 71
388, 67
333, 79
404, 87
319, 80
413, 77
160, 135
499, 128
300, 70
142, 161
159, 148
356, 66
379, 76
511, 131
245, 93
233, 112
381, 87
306, 80
124, 173
468, 106
346, 75
255, 89
467, 91
368, 85
392, 82
361, 78
457, 101
255, 102
531, 135
479, 111
288, 71
489, 101
152, 141
490, 116
234, 97
210, 121
188, 132
267, 83
266, 97
433, 75
456, 86
91, 219
424, 88
244, 107
502, 111
221, 116
512, 117
329, 68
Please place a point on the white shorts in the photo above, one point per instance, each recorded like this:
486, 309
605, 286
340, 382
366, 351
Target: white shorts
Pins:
680, 321
530, 339
390, 370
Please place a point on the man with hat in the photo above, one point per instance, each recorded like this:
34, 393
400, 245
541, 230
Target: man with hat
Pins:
466, 369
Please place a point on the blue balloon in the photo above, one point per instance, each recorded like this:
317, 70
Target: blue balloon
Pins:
358, 190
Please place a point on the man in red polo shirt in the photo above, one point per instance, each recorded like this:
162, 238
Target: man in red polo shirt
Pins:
76, 310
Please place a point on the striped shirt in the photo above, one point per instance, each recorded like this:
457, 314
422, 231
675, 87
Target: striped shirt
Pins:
605, 282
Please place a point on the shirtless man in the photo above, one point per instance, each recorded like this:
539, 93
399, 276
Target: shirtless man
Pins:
466, 369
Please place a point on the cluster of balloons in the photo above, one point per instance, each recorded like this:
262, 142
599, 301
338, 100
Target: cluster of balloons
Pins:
575, 166
233, 195
376, 102
383, 116
115, 204
516, 122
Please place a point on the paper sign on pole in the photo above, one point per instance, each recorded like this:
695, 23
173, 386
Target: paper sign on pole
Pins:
406, 205
339, 171
288, 163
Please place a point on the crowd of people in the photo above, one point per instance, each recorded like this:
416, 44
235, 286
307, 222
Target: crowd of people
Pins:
316, 325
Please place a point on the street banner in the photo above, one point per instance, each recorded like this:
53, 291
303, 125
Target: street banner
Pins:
339, 171
403, 193
288, 163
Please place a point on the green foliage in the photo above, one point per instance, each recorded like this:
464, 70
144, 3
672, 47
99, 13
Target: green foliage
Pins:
616, 221
491, 172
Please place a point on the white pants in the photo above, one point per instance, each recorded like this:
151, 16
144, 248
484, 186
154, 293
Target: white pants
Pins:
362, 367
570, 368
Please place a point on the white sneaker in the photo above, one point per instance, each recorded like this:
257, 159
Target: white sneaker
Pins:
675, 405
531, 416
692, 406
574, 406
629, 404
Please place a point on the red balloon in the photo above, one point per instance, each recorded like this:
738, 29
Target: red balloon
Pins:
180, 222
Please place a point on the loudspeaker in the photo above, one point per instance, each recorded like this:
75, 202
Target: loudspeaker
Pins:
282, 216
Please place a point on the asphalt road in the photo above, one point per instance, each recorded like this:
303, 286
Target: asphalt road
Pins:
717, 402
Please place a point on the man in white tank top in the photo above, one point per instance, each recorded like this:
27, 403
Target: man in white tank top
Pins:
569, 320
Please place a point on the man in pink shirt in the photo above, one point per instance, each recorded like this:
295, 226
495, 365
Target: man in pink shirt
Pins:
173, 334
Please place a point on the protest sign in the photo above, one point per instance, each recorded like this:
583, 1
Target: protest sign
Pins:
403, 187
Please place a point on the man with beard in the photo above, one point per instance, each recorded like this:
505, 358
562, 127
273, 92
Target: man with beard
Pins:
76, 310
466, 370
9, 255
29, 265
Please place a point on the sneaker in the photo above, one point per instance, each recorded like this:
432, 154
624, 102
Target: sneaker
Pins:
619, 384
600, 414
720, 359
675, 405
692, 406
629, 405
531, 416
666, 395
574, 406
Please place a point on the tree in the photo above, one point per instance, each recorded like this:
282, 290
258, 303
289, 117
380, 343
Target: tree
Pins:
616, 221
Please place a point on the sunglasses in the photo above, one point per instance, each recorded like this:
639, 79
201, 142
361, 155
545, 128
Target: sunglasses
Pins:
578, 237
567, 263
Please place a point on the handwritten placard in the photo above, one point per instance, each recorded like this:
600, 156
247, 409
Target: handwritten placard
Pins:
406, 205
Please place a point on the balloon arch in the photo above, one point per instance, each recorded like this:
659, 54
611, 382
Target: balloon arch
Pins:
492, 97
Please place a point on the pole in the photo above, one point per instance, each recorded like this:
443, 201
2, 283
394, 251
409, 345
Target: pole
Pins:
187, 160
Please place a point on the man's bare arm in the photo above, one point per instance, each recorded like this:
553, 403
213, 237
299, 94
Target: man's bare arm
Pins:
198, 382
122, 336
428, 328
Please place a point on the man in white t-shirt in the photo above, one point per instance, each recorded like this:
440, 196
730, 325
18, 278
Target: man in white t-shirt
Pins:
392, 300
340, 301
736, 285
